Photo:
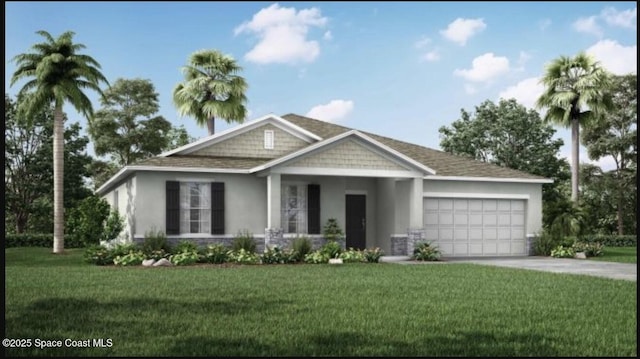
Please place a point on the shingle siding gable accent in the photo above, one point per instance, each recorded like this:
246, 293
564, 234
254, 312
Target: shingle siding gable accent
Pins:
251, 145
348, 154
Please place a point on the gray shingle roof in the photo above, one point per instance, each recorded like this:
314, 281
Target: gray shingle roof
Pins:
445, 164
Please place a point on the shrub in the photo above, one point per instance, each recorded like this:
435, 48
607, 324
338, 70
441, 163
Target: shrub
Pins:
275, 255
331, 249
38, 240
424, 251
352, 256
589, 249
563, 252
216, 253
156, 254
155, 240
301, 247
184, 258
85, 222
316, 257
244, 240
373, 255
122, 249
185, 246
243, 256
130, 259
98, 255
611, 240
332, 231
112, 226
544, 243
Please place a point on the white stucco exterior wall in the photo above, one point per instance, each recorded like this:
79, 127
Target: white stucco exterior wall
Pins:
125, 205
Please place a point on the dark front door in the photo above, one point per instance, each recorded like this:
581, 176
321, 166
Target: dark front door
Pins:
356, 228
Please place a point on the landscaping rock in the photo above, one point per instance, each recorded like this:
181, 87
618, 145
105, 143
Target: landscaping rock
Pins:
580, 255
335, 261
162, 262
148, 262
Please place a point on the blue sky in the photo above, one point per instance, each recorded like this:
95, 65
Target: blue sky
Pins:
399, 69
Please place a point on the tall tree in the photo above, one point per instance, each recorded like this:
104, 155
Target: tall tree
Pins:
127, 126
576, 93
56, 72
615, 135
29, 169
178, 136
211, 89
509, 135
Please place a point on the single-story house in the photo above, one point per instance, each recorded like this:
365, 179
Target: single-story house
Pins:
283, 177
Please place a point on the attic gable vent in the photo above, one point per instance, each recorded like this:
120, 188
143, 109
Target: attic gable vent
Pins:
268, 139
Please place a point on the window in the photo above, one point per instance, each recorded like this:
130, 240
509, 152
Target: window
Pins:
195, 207
294, 208
268, 139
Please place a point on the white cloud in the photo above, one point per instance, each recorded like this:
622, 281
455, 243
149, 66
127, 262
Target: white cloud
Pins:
431, 56
616, 58
526, 92
588, 25
470, 89
627, 18
544, 24
333, 111
424, 41
327, 35
282, 34
460, 30
485, 68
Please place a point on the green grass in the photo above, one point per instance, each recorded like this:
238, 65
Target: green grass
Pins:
618, 254
438, 309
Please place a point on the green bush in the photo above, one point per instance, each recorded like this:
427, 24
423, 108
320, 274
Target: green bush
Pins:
243, 256
332, 231
373, 255
155, 240
352, 256
216, 253
544, 243
244, 240
85, 222
301, 247
611, 240
39, 240
156, 254
425, 251
184, 258
185, 246
112, 226
130, 259
275, 255
589, 249
122, 249
316, 257
98, 255
331, 249
563, 252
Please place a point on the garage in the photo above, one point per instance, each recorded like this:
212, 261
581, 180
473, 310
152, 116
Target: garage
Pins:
476, 227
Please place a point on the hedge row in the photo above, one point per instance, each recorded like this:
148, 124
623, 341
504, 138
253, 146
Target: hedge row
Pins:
612, 240
38, 240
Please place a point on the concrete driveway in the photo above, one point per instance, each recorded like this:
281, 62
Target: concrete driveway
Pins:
625, 271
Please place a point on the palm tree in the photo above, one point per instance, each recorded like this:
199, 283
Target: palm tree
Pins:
576, 93
211, 89
57, 73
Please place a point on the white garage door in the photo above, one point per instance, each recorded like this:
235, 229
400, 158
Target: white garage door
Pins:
476, 227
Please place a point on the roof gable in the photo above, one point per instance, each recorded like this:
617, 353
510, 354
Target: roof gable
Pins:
275, 121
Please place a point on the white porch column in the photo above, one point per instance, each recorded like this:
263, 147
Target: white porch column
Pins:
273, 201
415, 204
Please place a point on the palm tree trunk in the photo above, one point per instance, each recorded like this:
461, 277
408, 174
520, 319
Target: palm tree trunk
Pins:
58, 180
211, 126
575, 160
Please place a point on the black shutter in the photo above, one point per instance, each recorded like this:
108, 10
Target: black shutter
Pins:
217, 208
313, 209
173, 207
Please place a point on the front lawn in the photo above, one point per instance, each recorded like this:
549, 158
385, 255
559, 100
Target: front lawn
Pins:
618, 254
439, 309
